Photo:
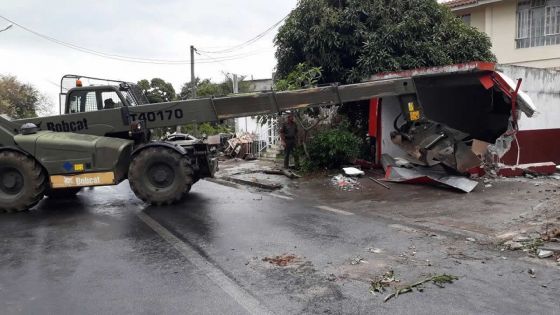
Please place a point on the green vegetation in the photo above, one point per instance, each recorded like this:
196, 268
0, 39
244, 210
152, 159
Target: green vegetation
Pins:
332, 148
157, 90
351, 40
21, 100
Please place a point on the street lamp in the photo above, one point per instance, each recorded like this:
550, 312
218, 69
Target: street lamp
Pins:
7, 27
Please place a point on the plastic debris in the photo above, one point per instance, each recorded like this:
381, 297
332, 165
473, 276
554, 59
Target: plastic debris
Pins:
542, 253
352, 171
345, 183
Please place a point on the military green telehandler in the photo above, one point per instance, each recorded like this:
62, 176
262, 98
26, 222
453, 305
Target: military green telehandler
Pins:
102, 137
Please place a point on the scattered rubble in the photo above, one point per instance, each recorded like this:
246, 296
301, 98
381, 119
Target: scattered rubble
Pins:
375, 250
511, 245
379, 285
544, 253
345, 183
357, 261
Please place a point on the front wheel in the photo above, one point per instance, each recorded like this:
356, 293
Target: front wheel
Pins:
160, 176
22, 181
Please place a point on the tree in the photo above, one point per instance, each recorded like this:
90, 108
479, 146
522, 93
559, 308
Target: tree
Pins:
303, 77
351, 40
157, 90
206, 88
21, 100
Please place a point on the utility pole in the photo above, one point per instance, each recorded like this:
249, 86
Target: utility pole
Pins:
235, 86
192, 71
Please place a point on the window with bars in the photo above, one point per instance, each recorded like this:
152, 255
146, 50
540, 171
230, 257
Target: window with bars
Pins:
83, 101
538, 23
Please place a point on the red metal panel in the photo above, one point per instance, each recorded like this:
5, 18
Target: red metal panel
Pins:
487, 81
373, 117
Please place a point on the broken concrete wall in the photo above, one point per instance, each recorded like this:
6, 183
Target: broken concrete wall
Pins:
539, 136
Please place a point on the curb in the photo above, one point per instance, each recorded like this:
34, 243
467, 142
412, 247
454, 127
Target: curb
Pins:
262, 185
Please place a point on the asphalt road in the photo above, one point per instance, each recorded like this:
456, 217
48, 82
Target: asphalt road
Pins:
105, 252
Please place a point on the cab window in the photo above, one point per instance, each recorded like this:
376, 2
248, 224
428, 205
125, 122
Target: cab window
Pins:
110, 100
82, 101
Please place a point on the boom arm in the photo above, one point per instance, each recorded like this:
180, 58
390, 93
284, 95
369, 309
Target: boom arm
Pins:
160, 115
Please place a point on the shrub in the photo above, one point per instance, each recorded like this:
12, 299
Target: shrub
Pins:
332, 148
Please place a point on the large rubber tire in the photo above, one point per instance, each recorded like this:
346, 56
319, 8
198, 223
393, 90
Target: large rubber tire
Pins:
62, 193
160, 176
22, 182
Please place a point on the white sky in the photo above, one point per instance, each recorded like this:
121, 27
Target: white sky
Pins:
161, 29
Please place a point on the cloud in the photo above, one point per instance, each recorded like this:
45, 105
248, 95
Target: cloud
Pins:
144, 29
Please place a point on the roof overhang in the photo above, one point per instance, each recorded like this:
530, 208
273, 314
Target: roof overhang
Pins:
457, 5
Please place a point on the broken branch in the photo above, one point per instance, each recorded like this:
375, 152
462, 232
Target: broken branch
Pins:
438, 280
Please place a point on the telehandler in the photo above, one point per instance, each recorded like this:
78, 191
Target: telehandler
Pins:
102, 136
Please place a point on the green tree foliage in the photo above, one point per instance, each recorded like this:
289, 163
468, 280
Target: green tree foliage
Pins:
353, 39
303, 76
207, 88
20, 100
157, 90
332, 148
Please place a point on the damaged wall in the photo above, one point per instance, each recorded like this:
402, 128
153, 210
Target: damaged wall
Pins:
539, 136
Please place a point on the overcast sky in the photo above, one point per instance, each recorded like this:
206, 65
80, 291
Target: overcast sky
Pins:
151, 29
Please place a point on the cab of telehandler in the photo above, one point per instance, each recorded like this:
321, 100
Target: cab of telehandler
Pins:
97, 94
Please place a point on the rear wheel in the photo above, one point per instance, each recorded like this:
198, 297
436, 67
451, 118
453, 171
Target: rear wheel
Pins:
22, 181
160, 176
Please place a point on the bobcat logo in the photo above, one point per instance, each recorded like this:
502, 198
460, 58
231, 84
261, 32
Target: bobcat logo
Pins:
68, 181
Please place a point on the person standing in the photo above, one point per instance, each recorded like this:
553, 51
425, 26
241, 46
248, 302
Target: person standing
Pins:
289, 137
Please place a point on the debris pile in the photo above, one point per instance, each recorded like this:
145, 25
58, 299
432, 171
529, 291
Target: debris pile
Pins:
399, 171
345, 183
243, 146
542, 245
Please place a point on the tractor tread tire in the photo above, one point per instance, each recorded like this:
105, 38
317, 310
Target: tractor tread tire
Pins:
34, 177
137, 176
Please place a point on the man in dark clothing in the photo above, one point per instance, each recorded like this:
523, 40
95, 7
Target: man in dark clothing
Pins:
289, 136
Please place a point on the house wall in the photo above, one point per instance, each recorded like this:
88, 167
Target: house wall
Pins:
539, 136
499, 21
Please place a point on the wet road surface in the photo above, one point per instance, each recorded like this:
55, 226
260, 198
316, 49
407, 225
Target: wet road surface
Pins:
106, 252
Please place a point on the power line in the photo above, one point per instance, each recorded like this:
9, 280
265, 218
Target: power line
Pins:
122, 57
248, 42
